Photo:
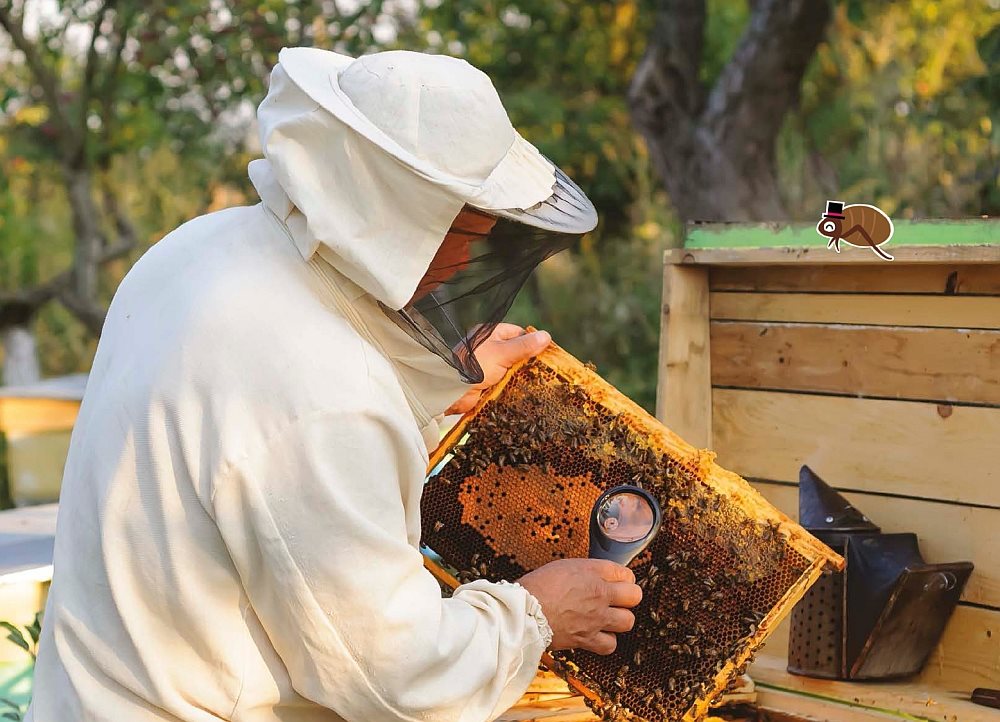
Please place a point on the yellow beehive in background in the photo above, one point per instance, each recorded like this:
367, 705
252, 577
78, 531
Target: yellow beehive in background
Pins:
36, 422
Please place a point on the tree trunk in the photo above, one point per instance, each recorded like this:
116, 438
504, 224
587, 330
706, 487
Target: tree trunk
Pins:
20, 361
714, 148
87, 250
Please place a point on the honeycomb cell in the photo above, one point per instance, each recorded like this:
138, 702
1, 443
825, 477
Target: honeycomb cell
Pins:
512, 487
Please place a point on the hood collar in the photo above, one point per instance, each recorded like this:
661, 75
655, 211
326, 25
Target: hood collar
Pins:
429, 384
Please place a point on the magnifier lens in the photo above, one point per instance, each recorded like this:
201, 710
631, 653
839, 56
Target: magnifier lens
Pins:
625, 517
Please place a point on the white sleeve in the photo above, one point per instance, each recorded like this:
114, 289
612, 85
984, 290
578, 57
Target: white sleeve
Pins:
316, 524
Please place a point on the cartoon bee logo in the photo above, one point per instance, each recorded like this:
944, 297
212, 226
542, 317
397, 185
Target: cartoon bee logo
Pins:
866, 227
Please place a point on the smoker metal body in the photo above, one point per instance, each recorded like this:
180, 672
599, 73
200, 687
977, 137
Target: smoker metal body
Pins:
882, 617
512, 486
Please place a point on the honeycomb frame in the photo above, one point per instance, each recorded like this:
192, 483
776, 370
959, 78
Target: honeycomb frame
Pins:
710, 513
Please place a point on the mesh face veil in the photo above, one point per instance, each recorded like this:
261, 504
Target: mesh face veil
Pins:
481, 265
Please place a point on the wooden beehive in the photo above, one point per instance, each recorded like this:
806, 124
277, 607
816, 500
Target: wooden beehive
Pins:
511, 488
883, 377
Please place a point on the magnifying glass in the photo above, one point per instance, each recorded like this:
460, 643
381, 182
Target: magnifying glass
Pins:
624, 521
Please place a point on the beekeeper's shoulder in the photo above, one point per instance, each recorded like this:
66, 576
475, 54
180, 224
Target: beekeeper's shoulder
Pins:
227, 302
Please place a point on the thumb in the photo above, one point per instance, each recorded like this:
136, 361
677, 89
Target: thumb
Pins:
519, 348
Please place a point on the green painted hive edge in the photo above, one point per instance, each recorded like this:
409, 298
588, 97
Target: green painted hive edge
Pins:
944, 232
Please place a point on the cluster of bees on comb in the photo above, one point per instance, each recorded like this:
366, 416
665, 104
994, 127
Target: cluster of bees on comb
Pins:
516, 492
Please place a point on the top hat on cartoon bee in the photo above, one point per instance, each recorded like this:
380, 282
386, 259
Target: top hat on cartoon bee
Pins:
859, 224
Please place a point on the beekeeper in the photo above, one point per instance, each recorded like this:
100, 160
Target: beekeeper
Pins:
239, 524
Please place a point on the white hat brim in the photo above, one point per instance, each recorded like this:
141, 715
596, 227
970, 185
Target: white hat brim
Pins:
522, 181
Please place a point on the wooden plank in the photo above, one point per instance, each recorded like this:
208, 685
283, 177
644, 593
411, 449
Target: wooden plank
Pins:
968, 656
572, 709
861, 702
889, 278
949, 233
546, 682
806, 706
684, 392
906, 448
822, 255
29, 416
870, 310
946, 532
969, 653
948, 365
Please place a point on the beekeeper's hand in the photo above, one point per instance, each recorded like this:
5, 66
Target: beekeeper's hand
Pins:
586, 602
507, 345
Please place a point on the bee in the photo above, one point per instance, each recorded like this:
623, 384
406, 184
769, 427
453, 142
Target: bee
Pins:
438, 526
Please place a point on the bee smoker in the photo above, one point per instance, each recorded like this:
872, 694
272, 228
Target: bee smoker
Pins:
883, 615
623, 522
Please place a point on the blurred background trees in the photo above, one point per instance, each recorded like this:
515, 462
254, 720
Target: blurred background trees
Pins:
121, 119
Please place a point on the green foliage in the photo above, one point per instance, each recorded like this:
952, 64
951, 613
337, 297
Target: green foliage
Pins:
563, 70
157, 102
30, 643
9, 709
901, 107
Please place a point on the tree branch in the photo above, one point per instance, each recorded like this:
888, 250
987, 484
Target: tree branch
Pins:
106, 94
45, 78
760, 83
666, 93
19, 307
16, 309
127, 237
90, 314
89, 73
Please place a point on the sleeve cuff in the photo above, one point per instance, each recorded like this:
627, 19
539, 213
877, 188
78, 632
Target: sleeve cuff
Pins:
532, 607
534, 610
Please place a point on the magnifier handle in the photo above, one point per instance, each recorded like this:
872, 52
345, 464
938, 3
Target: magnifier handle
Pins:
621, 553
600, 551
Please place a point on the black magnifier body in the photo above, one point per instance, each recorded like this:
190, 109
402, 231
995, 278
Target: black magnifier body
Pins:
624, 521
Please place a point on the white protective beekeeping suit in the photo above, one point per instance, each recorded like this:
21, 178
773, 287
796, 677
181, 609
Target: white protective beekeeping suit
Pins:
239, 523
